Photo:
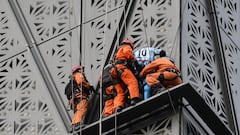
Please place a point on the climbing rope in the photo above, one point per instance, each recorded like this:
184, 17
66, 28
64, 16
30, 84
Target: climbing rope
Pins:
102, 66
115, 116
171, 52
71, 102
178, 31
124, 13
144, 24
115, 121
81, 62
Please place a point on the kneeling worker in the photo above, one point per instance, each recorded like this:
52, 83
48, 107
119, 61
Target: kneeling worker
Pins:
162, 72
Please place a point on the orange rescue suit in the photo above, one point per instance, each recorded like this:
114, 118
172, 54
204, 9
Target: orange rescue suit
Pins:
163, 66
127, 78
80, 108
125, 53
118, 101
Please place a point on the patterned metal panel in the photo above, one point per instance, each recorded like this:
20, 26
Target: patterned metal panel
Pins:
12, 40
24, 100
199, 62
156, 23
229, 25
167, 126
97, 8
26, 104
49, 18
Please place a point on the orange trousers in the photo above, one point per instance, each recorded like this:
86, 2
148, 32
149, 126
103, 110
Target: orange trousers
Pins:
80, 111
119, 100
170, 79
129, 80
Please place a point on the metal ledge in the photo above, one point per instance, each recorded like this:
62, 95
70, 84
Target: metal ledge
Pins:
157, 101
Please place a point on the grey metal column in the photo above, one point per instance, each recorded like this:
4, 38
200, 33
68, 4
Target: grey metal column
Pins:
228, 20
200, 58
223, 65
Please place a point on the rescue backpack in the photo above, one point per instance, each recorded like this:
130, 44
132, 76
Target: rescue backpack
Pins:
107, 78
70, 87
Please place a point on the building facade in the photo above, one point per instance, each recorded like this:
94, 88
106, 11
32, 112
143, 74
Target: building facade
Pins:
40, 40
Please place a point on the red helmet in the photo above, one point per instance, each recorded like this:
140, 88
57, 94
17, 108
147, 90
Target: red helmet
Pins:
76, 67
129, 42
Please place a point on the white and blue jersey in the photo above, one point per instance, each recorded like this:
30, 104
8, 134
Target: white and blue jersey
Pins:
146, 55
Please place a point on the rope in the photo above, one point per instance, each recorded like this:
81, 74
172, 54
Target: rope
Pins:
125, 26
73, 95
72, 99
144, 24
174, 43
118, 26
81, 57
78, 32
71, 10
69, 21
171, 101
102, 66
115, 121
115, 117
178, 30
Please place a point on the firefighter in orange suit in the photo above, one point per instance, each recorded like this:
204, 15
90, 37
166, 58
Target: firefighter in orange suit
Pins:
80, 101
123, 59
115, 100
162, 71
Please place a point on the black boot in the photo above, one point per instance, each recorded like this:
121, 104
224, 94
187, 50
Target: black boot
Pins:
158, 88
135, 100
77, 126
119, 109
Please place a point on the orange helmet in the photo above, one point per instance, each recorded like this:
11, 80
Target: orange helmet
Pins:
128, 42
77, 67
